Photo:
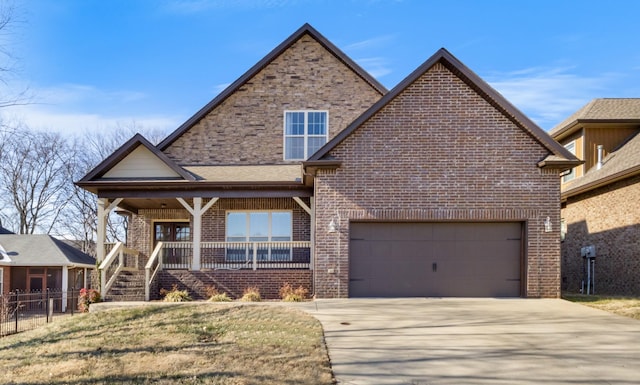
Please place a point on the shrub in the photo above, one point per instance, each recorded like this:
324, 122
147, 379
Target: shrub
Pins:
251, 294
86, 298
289, 294
175, 295
215, 295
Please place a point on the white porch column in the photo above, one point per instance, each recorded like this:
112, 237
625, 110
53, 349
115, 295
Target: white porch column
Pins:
196, 211
102, 228
104, 208
65, 287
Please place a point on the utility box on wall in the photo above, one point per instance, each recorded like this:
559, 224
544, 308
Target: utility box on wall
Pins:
588, 252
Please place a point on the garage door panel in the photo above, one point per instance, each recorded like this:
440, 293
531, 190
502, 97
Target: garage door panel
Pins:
435, 259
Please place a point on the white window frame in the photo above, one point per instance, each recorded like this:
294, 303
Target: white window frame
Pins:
1, 281
248, 252
571, 147
306, 135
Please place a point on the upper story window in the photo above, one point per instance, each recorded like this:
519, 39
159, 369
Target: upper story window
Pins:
304, 133
571, 146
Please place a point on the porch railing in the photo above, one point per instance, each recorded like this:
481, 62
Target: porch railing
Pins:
119, 258
151, 270
238, 255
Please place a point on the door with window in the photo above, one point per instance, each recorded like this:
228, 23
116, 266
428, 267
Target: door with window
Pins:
174, 255
266, 230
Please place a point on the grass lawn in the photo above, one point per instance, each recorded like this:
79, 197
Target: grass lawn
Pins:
625, 306
200, 343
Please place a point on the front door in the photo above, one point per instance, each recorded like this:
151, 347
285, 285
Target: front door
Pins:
178, 250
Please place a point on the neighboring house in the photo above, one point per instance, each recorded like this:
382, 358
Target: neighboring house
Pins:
601, 199
307, 171
35, 262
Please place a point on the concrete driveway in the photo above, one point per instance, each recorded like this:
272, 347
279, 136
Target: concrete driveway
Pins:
477, 341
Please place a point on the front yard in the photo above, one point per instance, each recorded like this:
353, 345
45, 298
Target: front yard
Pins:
183, 344
624, 306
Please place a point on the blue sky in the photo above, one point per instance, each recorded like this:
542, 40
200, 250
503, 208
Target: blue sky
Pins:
95, 64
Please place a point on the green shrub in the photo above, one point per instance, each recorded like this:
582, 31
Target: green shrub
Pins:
289, 294
175, 295
251, 294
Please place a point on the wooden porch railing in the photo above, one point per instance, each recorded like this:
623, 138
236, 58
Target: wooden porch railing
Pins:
127, 259
151, 270
239, 255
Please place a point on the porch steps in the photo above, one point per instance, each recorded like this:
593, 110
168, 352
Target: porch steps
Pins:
129, 286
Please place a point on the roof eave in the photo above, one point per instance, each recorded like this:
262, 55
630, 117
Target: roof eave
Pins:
601, 182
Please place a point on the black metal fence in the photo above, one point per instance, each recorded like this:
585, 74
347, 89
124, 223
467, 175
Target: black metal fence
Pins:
21, 311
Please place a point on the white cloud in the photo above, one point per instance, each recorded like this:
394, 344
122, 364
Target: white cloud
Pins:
77, 108
370, 43
376, 66
548, 95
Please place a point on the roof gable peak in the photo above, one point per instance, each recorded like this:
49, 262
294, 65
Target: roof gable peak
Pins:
305, 29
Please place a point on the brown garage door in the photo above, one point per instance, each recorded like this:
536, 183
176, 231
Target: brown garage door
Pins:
435, 259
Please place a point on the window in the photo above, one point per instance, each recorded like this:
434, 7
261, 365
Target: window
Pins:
1, 281
304, 133
572, 173
259, 226
172, 232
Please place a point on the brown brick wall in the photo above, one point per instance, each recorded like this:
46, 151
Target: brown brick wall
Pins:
439, 152
248, 125
234, 282
609, 219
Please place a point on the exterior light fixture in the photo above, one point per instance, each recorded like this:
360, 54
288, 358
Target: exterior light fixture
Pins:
332, 226
548, 227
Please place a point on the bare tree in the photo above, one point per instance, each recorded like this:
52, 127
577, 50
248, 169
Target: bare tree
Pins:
8, 23
35, 171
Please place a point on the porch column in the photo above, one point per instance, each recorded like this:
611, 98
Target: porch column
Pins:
65, 287
104, 208
196, 212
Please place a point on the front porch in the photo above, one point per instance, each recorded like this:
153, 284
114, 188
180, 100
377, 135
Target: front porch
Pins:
227, 243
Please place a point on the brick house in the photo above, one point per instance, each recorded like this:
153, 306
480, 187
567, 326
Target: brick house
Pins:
307, 171
600, 199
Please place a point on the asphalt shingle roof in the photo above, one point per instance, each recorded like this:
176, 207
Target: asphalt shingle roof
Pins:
606, 109
42, 250
623, 162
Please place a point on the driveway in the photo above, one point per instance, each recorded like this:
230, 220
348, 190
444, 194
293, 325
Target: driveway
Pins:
477, 341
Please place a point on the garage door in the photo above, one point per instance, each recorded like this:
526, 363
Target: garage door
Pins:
435, 259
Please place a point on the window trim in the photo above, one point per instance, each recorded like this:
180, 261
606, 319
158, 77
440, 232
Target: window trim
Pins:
305, 136
1, 281
248, 233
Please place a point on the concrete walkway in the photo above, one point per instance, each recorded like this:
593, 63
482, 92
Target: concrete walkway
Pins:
477, 341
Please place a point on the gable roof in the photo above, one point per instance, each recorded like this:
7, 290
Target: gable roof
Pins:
619, 164
306, 29
611, 110
42, 250
559, 157
126, 149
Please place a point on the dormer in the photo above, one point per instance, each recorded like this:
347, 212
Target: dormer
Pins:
596, 130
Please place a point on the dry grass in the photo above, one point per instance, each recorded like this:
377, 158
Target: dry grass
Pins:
625, 306
183, 344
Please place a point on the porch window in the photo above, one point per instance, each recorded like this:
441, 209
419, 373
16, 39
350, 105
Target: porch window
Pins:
304, 133
266, 228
